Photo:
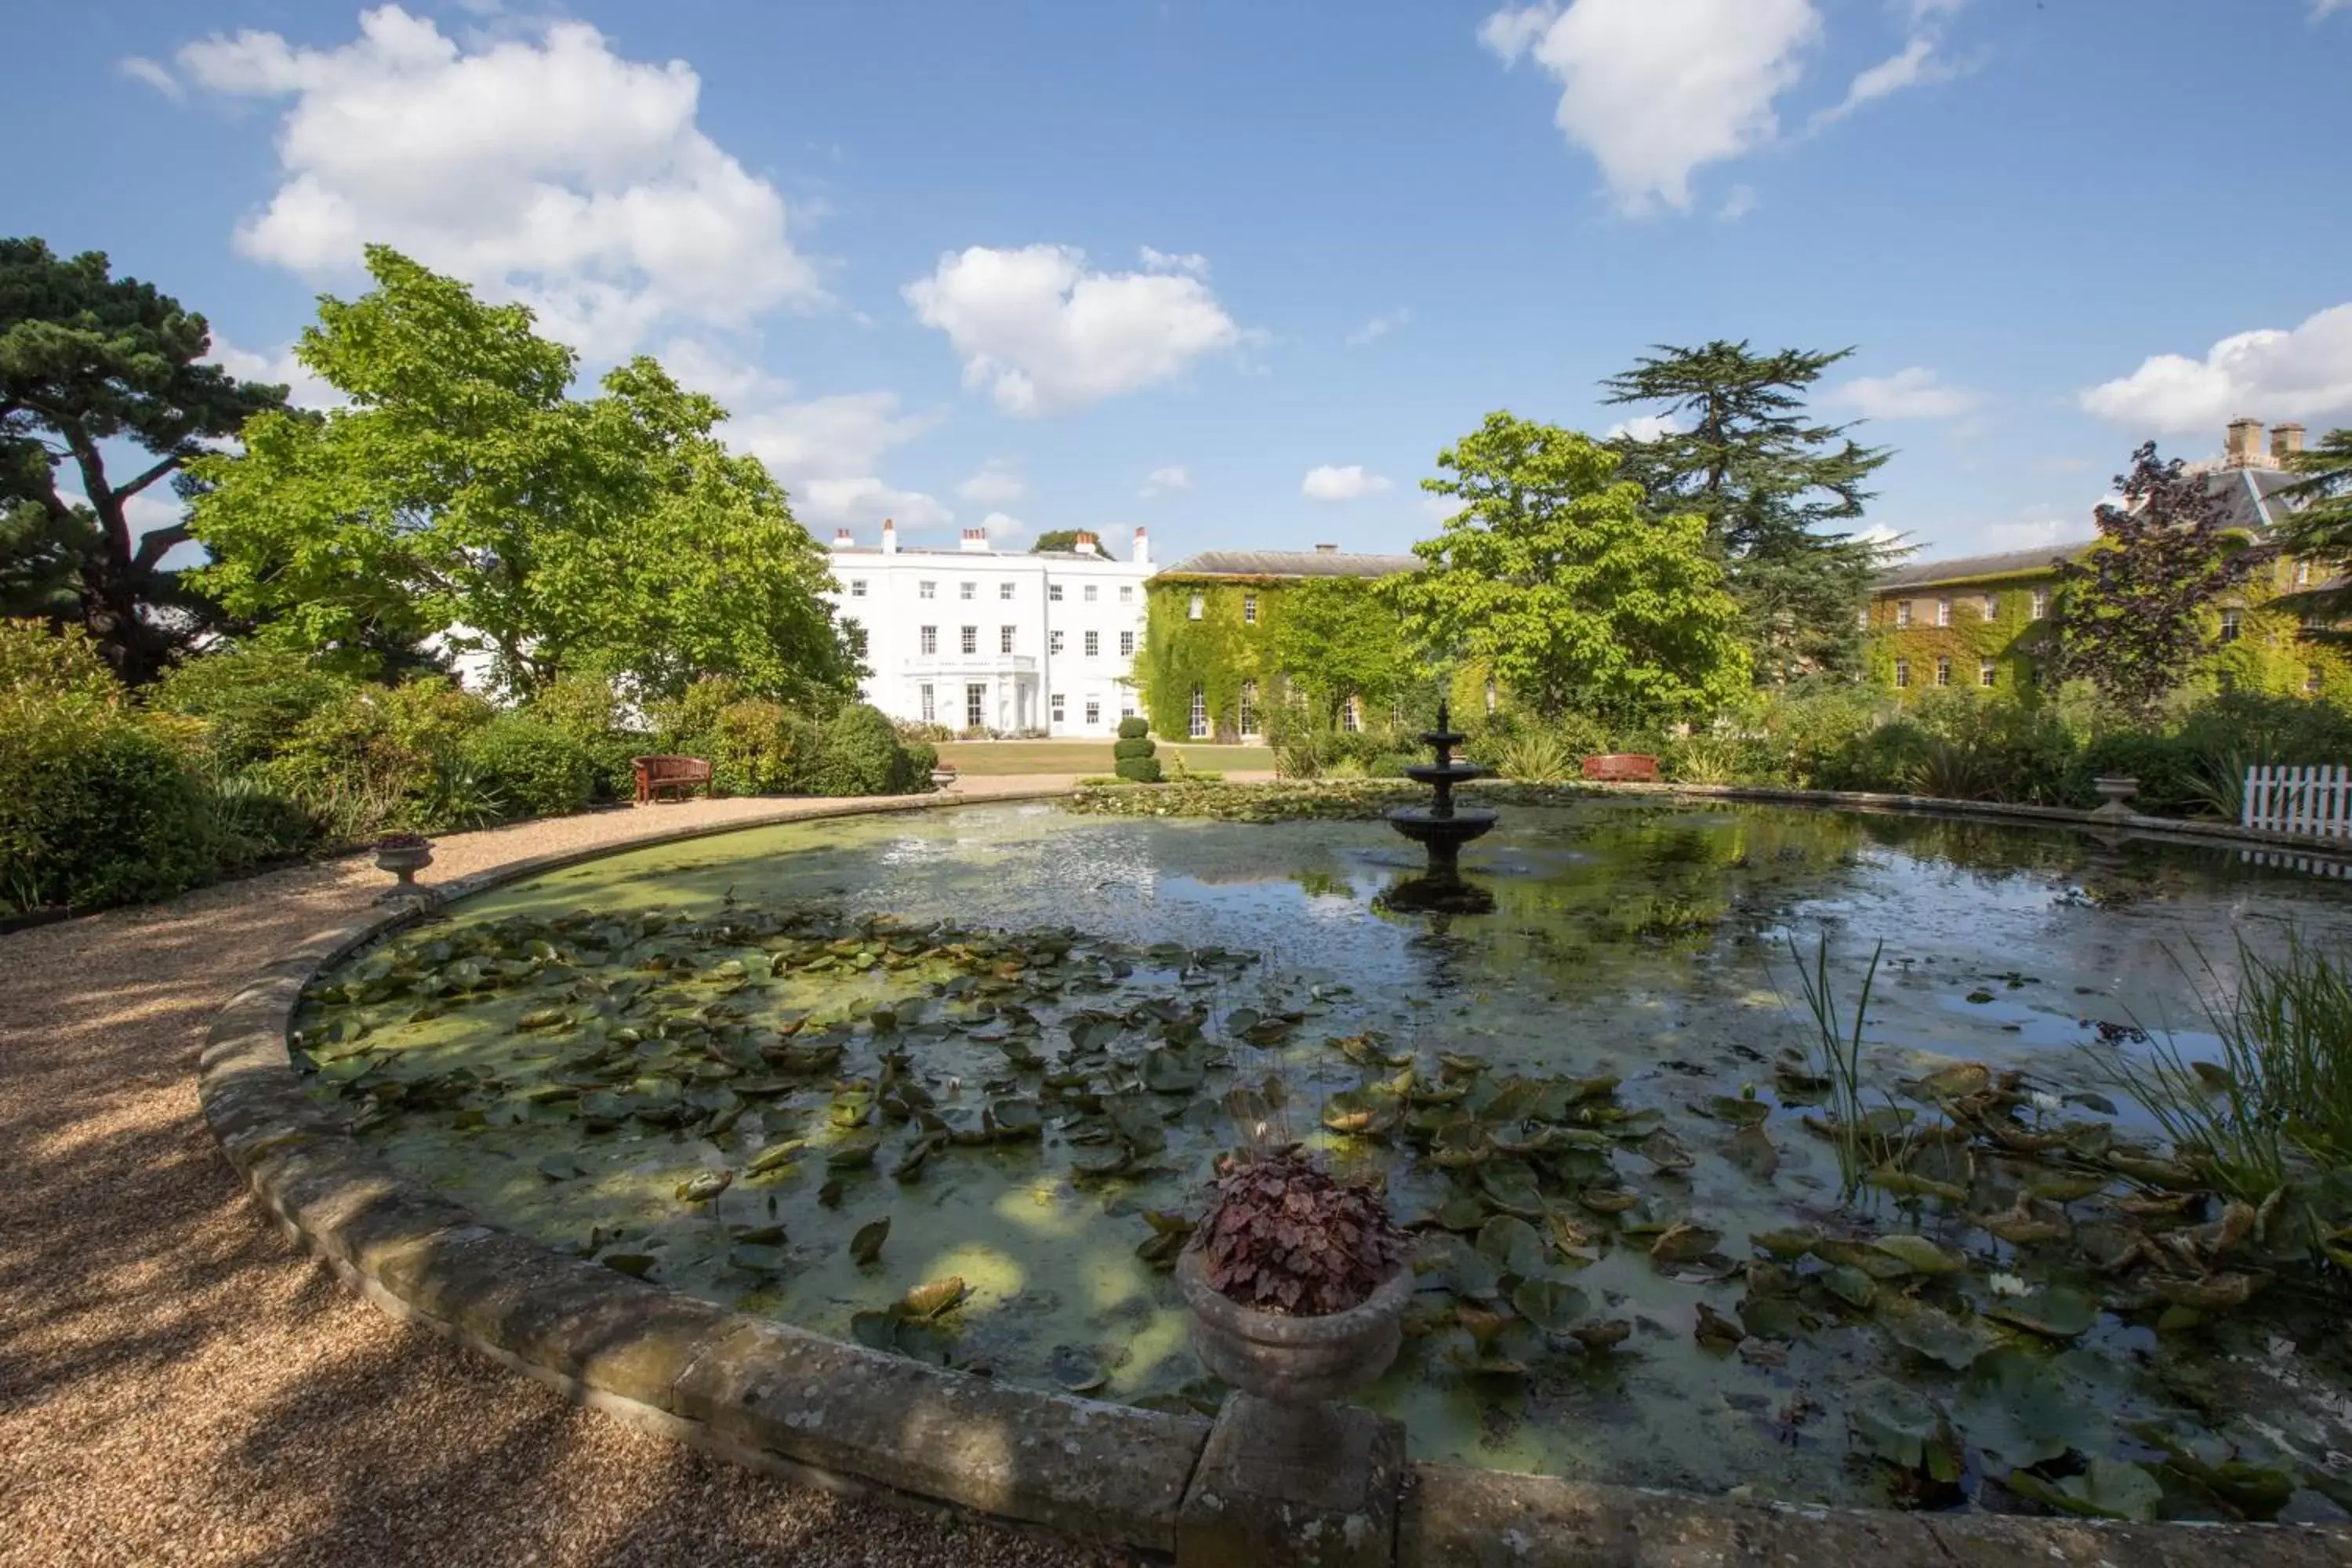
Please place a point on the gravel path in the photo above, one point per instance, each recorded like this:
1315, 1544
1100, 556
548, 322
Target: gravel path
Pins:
179, 1386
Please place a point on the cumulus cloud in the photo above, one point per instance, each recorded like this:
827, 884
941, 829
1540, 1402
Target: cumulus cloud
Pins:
1168, 482
994, 484
825, 452
1657, 88
1441, 508
1915, 393
1349, 483
2323, 9
1191, 263
303, 389
541, 167
999, 526
1379, 327
1643, 427
2301, 373
1044, 335
1738, 204
139, 69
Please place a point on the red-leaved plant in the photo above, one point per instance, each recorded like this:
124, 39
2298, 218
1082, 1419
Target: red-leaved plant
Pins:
403, 841
1283, 1237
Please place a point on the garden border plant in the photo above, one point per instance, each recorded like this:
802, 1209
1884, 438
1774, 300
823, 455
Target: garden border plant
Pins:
793, 1402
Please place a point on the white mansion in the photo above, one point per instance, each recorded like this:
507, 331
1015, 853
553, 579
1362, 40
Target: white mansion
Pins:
980, 637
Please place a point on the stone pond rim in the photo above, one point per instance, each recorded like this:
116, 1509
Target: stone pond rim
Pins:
816, 1410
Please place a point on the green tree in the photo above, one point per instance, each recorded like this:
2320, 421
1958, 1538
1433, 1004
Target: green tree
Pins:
1336, 637
1055, 539
463, 495
2320, 529
2132, 614
92, 365
1555, 576
1740, 453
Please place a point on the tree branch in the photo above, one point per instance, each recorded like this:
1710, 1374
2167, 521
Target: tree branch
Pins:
150, 476
159, 543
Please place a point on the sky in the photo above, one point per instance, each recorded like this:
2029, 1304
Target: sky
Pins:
1238, 272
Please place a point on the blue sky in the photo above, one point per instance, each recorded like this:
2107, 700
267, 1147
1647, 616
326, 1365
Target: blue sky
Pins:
1238, 270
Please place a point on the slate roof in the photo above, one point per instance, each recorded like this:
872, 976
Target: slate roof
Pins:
1292, 563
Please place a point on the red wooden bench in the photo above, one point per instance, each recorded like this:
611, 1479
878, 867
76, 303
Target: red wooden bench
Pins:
1621, 767
679, 775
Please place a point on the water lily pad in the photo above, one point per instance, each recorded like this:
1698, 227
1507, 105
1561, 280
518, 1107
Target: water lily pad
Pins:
1851, 1285
774, 1157
543, 1018
1902, 1427
2109, 1488
1745, 1111
1751, 1150
1715, 1331
2021, 1412
704, 1186
1932, 1331
1910, 1185
1683, 1242
932, 1298
1548, 1304
2058, 1314
561, 1168
1786, 1243
1077, 1371
1016, 1119
1921, 1256
1513, 1246
1510, 1186
1771, 1317
1601, 1336
1607, 1200
867, 1244
635, 1265
2208, 1294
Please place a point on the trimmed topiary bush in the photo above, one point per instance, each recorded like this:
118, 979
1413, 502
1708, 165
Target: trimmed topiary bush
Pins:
530, 767
1132, 753
1132, 748
1138, 770
1134, 727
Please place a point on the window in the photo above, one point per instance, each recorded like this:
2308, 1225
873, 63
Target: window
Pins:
1058, 709
928, 638
1943, 612
1902, 612
1004, 639
1127, 707
2041, 604
1493, 697
1094, 711
1200, 724
1127, 644
1249, 708
857, 587
1053, 591
1902, 673
967, 589
975, 706
1199, 602
1126, 593
1089, 594
930, 708
1351, 717
1943, 672
927, 590
1249, 609
1861, 619
971, 639
1993, 606
2303, 573
1054, 642
1004, 590
1984, 672
1094, 644
2311, 681
2229, 626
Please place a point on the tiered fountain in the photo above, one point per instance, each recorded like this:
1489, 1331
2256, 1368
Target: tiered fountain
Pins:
1442, 828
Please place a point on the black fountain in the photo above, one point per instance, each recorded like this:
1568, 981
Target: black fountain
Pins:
1442, 828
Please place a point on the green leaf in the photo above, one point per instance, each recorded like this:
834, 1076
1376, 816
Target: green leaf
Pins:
2021, 1411
2110, 1489
2057, 1312
1548, 1304
866, 1246
1514, 1245
1932, 1333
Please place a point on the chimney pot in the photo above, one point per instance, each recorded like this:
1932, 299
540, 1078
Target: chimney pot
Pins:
2245, 442
842, 540
2286, 440
889, 537
1142, 546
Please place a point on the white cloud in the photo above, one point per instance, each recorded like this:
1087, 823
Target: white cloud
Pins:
1168, 482
1045, 335
303, 389
999, 526
1643, 427
1379, 327
1916, 392
993, 485
1916, 63
1438, 508
540, 167
2323, 9
1191, 262
2304, 372
139, 68
1351, 483
1737, 205
1655, 88
824, 452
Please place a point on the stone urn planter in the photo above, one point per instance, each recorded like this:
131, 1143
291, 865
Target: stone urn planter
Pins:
1288, 1361
403, 855
2114, 791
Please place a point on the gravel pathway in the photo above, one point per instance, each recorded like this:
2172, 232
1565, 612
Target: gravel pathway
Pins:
179, 1386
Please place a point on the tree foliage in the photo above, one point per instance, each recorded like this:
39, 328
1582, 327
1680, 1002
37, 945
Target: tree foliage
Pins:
463, 495
91, 363
1555, 576
1338, 637
1740, 454
2132, 614
1055, 539
2320, 529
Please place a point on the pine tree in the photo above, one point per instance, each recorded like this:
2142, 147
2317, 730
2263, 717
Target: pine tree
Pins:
2320, 529
1739, 452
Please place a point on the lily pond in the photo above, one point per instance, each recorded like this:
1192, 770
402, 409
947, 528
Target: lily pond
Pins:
952, 1084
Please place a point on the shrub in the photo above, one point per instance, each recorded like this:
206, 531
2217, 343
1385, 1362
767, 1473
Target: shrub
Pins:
765, 748
687, 724
2171, 775
36, 663
1134, 727
1248, 1240
1126, 747
96, 806
862, 755
529, 766
259, 823
1138, 770
389, 757
1393, 765
251, 700
1536, 758
585, 708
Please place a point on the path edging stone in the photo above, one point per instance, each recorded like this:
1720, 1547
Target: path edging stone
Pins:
818, 1411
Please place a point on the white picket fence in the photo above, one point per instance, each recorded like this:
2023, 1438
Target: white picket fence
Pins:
2316, 801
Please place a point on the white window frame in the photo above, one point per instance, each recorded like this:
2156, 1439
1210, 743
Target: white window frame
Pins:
1004, 589
975, 705
1094, 712
1943, 612
2231, 626
1199, 717
1986, 672
1902, 614
1351, 714
1127, 644
1094, 644
1090, 593
1943, 672
1054, 593
1058, 706
969, 641
1126, 593
1993, 606
967, 589
2041, 604
857, 587
1054, 640
1199, 605
927, 590
1249, 711
927, 638
1005, 638
1249, 609
1901, 674
927, 703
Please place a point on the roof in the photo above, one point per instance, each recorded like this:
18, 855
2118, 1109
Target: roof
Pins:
2251, 496
1960, 569
1292, 563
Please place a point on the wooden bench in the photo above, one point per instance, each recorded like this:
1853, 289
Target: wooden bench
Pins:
1621, 767
679, 775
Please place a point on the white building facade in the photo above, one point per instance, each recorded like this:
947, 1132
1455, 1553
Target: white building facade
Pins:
982, 638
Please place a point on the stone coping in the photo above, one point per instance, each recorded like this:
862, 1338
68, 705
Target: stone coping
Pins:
785, 1400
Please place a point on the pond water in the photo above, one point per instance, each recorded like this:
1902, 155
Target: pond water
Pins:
1006, 1031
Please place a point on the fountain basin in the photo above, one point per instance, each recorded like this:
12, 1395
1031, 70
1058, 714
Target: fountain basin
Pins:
1437, 827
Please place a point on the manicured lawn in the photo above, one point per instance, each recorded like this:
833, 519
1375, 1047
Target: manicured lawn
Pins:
996, 758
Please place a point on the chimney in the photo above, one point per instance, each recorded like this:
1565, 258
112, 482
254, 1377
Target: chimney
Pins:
841, 539
2245, 448
889, 537
1326, 550
975, 539
1086, 544
2286, 440
1142, 546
